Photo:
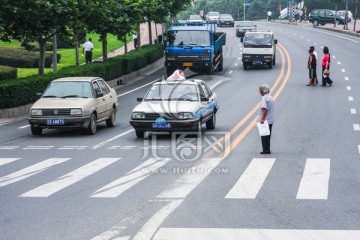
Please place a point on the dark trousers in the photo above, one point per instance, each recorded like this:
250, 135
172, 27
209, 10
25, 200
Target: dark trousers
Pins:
265, 141
88, 56
325, 78
135, 43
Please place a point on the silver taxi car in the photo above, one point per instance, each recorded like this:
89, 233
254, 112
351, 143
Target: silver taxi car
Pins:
74, 102
171, 106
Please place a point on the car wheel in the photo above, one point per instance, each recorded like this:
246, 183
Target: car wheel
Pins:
274, 60
112, 120
337, 22
36, 131
270, 65
211, 123
139, 134
245, 66
316, 22
91, 130
210, 70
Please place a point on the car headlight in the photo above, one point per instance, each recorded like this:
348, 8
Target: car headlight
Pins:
246, 56
268, 56
76, 111
36, 112
138, 115
185, 115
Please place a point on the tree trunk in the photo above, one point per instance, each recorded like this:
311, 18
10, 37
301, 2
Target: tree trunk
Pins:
125, 44
42, 43
138, 37
335, 15
354, 17
76, 43
104, 45
150, 30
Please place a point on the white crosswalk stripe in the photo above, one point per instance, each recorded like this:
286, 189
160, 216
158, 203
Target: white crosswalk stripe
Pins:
249, 184
30, 171
4, 161
50, 188
117, 187
315, 181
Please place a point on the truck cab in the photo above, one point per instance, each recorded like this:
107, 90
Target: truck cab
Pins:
198, 48
259, 48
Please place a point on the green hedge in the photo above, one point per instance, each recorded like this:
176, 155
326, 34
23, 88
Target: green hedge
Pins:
7, 72
18, 57
23, 91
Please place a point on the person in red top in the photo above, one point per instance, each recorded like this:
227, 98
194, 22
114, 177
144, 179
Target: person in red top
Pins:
326, 65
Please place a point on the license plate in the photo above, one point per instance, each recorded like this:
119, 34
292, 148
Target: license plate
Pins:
161, 125
257, 62
55, 122
187, 64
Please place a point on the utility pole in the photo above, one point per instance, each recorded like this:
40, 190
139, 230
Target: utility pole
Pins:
54, 54
346, 26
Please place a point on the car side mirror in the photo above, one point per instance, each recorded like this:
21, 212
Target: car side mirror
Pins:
99, 94
38, 95
204, 99
139, 99
275, 41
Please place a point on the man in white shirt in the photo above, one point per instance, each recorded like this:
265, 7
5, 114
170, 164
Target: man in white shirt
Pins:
135, 40
87, 48
269, 14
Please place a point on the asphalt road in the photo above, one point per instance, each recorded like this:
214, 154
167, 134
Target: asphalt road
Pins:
65, 185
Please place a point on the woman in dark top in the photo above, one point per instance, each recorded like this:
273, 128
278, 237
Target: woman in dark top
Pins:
312, 68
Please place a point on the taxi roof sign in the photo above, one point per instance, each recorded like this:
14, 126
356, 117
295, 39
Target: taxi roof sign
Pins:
177, 75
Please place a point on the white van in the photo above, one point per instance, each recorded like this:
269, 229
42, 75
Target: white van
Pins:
259, 48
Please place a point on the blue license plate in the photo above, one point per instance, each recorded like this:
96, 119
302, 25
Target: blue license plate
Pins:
161, 125
55, 122
257, 62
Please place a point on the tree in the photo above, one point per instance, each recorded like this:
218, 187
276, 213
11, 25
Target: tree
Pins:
33, 20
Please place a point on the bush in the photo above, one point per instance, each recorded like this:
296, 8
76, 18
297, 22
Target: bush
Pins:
17, 57
23, 91
7, 73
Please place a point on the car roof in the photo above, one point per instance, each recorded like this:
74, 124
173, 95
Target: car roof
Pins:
76, 79
197, 28
213, 13
186, 81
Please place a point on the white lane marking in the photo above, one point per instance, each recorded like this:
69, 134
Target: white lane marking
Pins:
135, 89
250, 182
24, 127
308, 40
38, 147
254, 234
350, 98
112, 232
335, 35
8, 147
152, 225
29, 171
339, 63
348, 88
353, 111
343, 70
359, 148
356, 127
4, 161
182, 186
236, 64
239, 58
315, 181
230, 72
301, 37
346, 79
113, 138
62, 182
333, 56
117, 187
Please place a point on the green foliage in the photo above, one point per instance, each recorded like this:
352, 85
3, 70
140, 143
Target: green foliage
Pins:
7, 72
17, 57
23, 91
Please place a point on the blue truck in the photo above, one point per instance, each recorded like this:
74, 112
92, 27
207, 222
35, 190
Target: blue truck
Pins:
198, 48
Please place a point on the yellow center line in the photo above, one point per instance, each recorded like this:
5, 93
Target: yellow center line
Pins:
241, 136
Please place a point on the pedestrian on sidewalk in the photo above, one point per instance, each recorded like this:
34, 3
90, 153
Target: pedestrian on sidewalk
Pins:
87, 48
326, 68
135, 38
269, 14
266, 113
312, 68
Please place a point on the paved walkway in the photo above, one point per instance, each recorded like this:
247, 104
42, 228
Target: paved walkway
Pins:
144, 35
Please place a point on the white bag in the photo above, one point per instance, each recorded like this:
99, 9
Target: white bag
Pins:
264, 129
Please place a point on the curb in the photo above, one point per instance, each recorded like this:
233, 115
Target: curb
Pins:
13, 114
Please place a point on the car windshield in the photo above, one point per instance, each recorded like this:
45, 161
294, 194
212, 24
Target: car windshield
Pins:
246, 24
257, 40
226, 16
68, 89
189, 38
172, 92
214, 14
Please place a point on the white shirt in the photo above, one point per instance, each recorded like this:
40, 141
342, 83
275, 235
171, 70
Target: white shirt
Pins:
315, 53
269, 13
88, 46
134, 36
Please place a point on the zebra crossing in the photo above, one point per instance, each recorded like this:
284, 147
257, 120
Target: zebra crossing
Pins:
314, 183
